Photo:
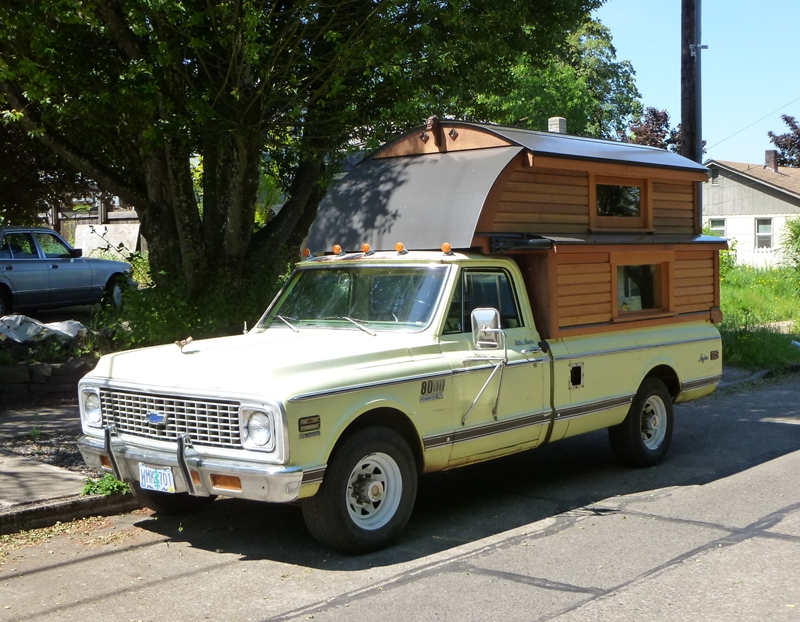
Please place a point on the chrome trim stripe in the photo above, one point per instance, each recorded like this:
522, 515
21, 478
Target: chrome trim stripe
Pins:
496, 427
313, 476
587, 355
594, 407
367, 385
700, 382
395, 381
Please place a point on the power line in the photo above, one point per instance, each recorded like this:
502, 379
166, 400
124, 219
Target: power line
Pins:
753, 123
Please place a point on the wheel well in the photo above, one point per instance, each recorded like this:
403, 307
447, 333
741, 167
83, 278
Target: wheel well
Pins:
667, 375
387, 418
114, 278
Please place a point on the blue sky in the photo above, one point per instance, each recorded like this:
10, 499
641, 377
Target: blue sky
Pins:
749, 71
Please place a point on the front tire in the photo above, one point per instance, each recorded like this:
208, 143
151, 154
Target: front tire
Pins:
169, 503
367, 495
113, 296
643, 438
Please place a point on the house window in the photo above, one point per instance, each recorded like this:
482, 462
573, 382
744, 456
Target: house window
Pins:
763, 232
717, 227
619, 203
715, 177
638, 288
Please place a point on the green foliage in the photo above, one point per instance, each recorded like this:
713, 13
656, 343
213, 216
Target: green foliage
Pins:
758, 348
753, 302
6, 360
580, 80
727, 259
167, 311
791, 249
106, 485
131, 93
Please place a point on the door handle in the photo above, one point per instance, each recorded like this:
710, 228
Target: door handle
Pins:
54, 266
8, 267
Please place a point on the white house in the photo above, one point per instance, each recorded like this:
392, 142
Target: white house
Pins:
750, 203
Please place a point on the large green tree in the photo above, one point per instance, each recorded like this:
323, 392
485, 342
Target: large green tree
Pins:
129, 91
32, 178
581, 80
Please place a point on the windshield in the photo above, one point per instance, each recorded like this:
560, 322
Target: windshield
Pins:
365, 297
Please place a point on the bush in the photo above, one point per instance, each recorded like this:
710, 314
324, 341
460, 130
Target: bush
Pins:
106, 485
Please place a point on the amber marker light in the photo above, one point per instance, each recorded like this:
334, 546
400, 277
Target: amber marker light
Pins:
365, 248
337, 250
447, 249
400, 248
307, 253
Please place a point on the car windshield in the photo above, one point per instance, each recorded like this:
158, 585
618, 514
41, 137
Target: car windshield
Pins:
364, 297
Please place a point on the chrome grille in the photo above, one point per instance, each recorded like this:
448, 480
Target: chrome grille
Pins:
213, 423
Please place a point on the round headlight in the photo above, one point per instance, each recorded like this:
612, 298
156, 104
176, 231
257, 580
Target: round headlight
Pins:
91, 406
259, 429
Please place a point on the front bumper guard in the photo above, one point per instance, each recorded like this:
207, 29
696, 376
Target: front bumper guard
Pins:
261, 482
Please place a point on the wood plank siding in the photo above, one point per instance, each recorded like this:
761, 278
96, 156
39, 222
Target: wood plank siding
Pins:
695, 285
673, 207
539, 200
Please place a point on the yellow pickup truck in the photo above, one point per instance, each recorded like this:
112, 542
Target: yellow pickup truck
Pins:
373, 367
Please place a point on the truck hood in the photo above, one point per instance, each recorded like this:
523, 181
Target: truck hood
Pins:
276, 362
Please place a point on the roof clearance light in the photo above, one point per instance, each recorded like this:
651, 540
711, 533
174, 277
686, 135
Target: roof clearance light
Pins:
307, 253
447, 249
337, 250
365, 248
400, 248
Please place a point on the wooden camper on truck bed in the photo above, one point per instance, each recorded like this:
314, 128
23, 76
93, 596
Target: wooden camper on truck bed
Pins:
607, 234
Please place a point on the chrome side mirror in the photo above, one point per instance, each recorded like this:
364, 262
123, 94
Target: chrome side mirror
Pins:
486, 332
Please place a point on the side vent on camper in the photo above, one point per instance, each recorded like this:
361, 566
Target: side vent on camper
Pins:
576, 375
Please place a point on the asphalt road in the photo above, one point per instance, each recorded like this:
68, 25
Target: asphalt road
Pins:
559, 533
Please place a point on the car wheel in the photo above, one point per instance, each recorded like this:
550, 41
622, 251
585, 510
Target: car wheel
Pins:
5, 302
114, 292
643, 438
367, 495
169, 503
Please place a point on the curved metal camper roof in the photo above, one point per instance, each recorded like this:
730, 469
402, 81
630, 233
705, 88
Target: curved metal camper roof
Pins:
427, 187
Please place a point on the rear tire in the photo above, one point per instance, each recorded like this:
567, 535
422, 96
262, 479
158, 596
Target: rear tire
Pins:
643, 438
367, 494
113, 296
171, 504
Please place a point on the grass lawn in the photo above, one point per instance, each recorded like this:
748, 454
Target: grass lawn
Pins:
753, 301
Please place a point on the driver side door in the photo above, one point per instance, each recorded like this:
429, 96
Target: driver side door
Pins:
510, 413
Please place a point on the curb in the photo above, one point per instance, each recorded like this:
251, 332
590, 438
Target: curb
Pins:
46, 513
754, 376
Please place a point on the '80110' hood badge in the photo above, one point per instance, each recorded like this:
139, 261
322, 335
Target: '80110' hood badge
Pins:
156, 418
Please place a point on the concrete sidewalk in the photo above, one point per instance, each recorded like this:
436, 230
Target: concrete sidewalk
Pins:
34, 494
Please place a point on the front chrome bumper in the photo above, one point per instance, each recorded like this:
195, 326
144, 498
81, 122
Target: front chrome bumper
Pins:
193, 473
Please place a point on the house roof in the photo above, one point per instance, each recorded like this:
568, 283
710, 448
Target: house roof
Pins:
787, 179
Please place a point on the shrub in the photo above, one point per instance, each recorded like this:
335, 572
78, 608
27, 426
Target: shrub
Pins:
106, 485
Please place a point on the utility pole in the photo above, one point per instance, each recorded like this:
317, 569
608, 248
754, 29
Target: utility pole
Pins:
691, 86
688, 80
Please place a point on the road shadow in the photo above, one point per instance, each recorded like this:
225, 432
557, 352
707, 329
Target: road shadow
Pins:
713, 438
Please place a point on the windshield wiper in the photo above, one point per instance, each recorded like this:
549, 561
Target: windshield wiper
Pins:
285, 321
351, 320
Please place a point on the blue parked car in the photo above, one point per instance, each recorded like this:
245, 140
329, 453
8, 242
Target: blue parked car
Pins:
39, 270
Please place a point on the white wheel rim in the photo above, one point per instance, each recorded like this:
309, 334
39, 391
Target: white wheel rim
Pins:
373, 491
654, 422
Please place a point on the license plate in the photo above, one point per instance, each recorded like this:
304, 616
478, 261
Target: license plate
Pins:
151, 478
